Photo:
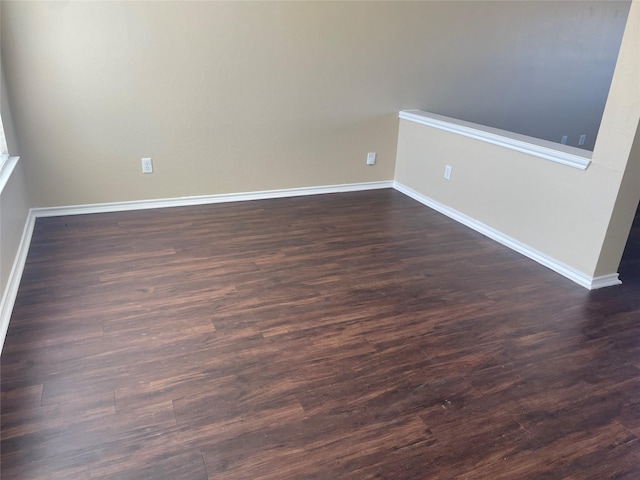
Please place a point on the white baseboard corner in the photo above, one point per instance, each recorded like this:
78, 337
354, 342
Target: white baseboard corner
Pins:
11, 290
605, 281
207, 199
571, 273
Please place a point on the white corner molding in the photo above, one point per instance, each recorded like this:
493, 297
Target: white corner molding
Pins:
207, 199
554, 152
571, 273
605, 281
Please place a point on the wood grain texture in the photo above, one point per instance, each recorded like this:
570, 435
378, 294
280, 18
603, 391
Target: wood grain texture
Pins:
353, 336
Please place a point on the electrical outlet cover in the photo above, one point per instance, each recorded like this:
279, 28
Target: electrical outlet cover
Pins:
147, 165
371, 158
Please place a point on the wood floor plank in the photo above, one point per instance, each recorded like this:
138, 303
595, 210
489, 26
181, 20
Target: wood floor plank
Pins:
345, 336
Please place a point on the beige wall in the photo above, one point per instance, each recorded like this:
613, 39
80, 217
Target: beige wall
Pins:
560, 211
618, 145
623, 213
243, 96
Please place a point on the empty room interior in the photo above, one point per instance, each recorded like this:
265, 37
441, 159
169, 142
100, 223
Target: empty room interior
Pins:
320, 240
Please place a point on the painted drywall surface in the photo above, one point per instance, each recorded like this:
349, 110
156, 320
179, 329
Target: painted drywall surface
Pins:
618, 144
620, 118
225, 97
623, 214
242, 96
541, 69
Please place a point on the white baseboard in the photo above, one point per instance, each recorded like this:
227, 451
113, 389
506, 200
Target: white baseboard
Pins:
207, 199
13, 282
605, 281
571, 273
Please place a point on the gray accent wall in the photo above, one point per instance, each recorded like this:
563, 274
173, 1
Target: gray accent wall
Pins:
539, 68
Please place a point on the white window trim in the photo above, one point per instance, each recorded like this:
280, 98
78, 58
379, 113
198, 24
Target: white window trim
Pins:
3, 159
6, 170
4, 149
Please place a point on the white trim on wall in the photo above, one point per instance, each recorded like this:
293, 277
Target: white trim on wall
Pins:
207, 199
605, 281
571, 273
558, 153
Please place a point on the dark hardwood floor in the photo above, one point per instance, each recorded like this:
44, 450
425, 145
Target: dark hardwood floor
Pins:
346, 336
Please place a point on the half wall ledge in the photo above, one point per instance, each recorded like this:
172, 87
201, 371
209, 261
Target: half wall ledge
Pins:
554, 152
